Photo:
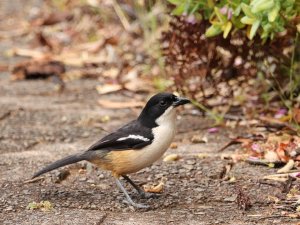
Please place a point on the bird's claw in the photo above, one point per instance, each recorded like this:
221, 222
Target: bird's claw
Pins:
136, 205
147, 195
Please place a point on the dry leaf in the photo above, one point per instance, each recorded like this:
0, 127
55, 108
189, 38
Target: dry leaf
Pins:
28, 53
174, 145
277, 177
138, 85
37, 69
108, 88
296, 115
271, 156
155, 189
202, 155
199, 139
120, 105
53, 18
290, 164
171, 157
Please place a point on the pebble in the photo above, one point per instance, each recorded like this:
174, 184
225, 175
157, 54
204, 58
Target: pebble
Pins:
101, 176
188, 167
9, 208
85, 134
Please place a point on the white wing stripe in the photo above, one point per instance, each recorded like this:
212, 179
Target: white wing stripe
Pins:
132, 136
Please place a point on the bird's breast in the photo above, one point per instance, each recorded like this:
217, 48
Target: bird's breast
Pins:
130, 161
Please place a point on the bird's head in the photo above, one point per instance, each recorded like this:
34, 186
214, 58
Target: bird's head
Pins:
161, 109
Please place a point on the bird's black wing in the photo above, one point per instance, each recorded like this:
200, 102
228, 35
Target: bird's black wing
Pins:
131, 136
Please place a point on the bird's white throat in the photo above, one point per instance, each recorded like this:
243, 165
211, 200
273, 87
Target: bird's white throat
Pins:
169, 116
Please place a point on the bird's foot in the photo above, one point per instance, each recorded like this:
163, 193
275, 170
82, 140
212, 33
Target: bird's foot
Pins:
147, 195
136, 205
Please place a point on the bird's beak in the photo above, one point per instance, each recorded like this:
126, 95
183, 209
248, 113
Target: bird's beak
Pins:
180, 101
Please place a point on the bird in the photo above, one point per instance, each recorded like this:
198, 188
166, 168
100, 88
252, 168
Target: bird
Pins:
134, 146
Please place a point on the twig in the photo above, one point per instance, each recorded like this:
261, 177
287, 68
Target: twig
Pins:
33, 180
121, 15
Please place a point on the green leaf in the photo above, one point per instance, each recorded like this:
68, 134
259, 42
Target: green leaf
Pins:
213, 30
248, 20
227, 29
272, 15
175, 2
222, 18
254, 29
237, 11
237, 23
247, 10
265, 5
179, 10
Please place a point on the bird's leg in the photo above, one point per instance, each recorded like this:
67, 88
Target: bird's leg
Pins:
140, 191
128, 198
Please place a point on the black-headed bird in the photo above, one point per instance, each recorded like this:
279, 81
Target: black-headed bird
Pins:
134, 146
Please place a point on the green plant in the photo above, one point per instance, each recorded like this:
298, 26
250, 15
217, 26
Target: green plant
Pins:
263, 17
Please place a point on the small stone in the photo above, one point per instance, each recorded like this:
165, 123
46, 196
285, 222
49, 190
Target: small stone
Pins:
9, 208
191, 162
64, 119
188, 167
90, 181
85, 134
230, 199
82, 179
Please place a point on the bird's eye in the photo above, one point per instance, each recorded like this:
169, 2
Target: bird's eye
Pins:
163, 103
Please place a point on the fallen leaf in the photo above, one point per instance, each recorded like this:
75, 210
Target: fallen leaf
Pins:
120, 105
37, 69
173, 145
290, 164
27, 53
138, 85
171, 157
108, 88
53, 18
296, 114
202, 155
155, 189
271, 156
199, 139
42, 205
277, 177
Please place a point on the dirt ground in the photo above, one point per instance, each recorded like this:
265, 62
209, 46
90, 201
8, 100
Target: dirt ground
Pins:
39, 125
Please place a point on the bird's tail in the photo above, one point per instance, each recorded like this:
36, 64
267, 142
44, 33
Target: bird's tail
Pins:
63, 162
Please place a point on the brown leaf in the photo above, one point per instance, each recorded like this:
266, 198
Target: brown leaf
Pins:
296, 115
120, 105
171, 157
37, 69
237, 140
3, 68
108, 88
155, 189
53, 18
138, 85
42, 40
28, 53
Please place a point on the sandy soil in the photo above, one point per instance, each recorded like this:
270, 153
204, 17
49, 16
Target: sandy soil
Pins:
39, 126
